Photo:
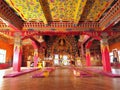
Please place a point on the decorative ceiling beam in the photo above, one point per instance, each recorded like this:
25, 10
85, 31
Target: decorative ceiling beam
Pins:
46, 10
3, 26
98, 9
7, 35
8, 15
89, 42
56, 26
102, 11
35, 41
88, 6
79, 10
27, 34
111, 17
66, 26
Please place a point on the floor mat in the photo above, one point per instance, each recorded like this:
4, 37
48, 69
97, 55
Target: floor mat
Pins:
110, 74
14, 74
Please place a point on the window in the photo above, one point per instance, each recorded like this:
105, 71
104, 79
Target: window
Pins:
111, 57
2, 56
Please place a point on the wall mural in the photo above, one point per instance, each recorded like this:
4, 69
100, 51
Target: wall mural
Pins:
62, 46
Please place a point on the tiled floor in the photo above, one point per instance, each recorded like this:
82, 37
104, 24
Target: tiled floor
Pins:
60, 79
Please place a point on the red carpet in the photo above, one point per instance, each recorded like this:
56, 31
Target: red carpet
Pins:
14, 74
110, 74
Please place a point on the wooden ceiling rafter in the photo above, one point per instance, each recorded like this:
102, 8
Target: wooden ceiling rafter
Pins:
7, 14
36, 41
111, 17
88, 6
3, 26
98, 8
46, 10
79, 10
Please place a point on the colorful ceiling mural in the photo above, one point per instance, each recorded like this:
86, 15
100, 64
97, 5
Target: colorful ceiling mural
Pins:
29, 10
62, 10
66, 10
98, 9
59, 10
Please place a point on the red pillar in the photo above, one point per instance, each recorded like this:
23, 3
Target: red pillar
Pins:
105, 53
88, 62
35, 54
35, 57
17, 56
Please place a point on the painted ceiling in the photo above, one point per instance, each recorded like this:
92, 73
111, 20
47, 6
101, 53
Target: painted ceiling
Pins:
60, 10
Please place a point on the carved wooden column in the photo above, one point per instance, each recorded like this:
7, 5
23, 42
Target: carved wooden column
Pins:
105, 52
35, 57
81, 47
88, 62
17, 56
88, 56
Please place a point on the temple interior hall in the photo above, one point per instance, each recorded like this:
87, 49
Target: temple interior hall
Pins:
59, 44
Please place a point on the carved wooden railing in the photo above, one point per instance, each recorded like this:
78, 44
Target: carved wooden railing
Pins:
3, 26
9, 15
111, 17
62, 25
